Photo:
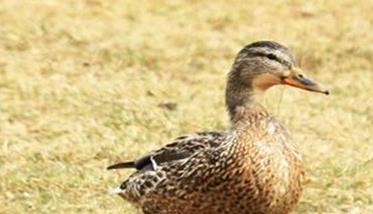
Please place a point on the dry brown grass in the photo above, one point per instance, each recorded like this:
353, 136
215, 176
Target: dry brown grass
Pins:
80, 82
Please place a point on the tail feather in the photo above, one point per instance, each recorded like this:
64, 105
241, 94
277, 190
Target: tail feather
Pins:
123, 165
116, 190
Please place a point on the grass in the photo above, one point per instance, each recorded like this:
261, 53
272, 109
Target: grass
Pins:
81, 81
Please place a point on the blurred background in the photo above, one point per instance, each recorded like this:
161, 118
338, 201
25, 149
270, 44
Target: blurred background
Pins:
86, 83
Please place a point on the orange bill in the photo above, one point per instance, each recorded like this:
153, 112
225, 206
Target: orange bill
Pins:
296, 79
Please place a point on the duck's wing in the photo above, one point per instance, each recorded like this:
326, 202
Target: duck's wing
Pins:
181, 148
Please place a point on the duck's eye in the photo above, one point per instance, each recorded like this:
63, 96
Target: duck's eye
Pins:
272, 57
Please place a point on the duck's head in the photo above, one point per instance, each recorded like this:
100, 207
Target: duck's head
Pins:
261, 65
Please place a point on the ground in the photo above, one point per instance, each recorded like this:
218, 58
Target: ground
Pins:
84, 84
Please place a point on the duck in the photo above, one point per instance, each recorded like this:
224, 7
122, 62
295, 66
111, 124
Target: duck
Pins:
254, 167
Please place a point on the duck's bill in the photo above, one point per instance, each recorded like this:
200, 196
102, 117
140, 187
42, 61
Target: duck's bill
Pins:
296, 79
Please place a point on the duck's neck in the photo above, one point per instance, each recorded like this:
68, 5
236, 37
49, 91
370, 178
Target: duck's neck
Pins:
243, 101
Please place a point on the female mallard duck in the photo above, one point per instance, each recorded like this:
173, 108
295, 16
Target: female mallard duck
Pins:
254, 167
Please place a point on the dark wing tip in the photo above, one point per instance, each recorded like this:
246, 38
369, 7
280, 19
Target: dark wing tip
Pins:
122, 165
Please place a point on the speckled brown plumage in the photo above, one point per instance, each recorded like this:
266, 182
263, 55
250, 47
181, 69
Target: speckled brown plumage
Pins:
252, 168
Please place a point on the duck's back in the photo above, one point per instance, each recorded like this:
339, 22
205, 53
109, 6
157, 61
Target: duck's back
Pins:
253, 170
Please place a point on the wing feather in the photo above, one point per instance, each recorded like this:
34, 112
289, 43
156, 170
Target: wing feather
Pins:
181, 148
